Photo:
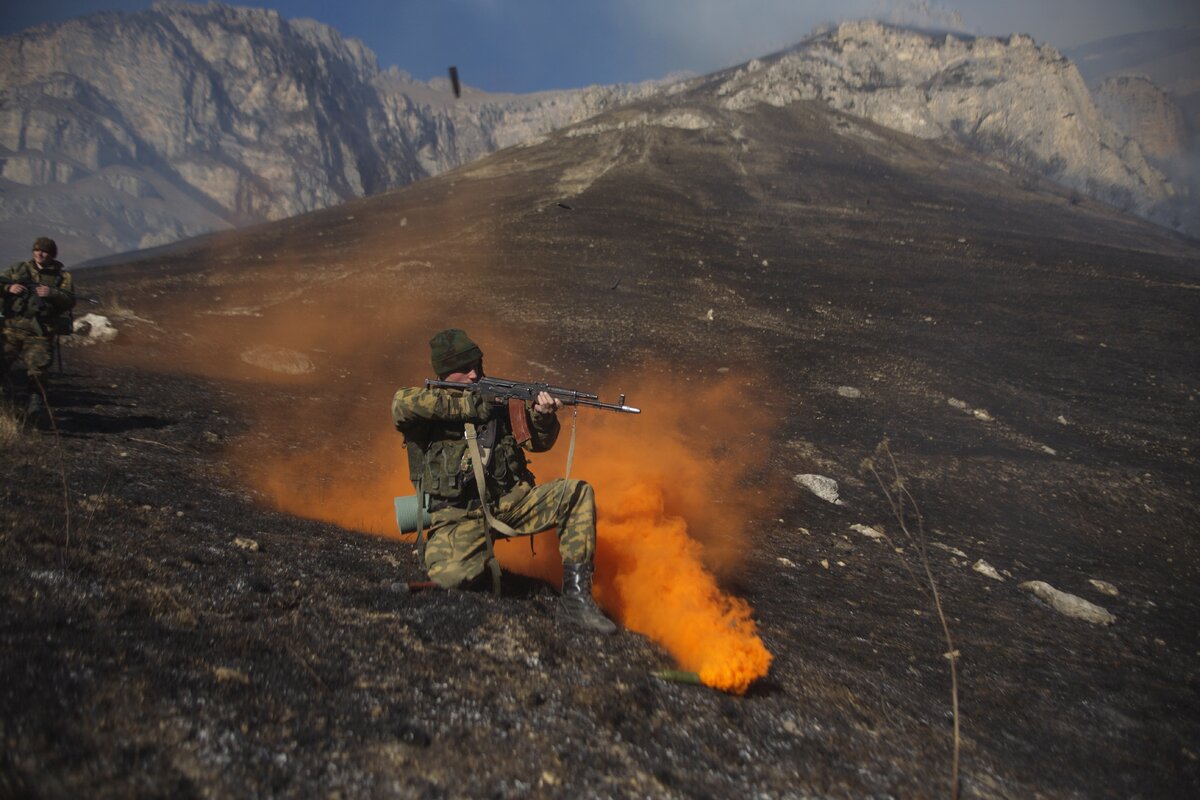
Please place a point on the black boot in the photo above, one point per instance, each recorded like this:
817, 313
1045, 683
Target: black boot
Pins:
578, 607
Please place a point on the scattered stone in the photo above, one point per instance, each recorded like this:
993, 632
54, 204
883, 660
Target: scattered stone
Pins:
872, 533
787, 562
1069, 604
825, 563
230, 674
1049, 450
956, 403
246, 544
92, 329
987, 570
849, 391
708, 317
212, 437
822, 487
948, 549
1061, 420
982, 414
1104, 587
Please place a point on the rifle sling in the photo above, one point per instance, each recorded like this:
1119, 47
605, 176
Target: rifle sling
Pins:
477, 464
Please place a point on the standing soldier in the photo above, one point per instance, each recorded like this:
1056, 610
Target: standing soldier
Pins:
437, 425
37, 296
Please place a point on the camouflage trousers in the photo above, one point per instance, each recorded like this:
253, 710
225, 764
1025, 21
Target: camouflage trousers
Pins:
457, 548
36, 351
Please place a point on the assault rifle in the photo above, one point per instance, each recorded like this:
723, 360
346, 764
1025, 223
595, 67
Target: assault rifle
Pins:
501, 389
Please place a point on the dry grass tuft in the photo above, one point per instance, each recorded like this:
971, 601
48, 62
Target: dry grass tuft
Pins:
10, 427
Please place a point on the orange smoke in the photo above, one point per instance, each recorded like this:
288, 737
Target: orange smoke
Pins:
666, 482
675, 486
674, 491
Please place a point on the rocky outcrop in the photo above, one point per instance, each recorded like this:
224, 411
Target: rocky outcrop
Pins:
1142, 111
123, 131
1009, 98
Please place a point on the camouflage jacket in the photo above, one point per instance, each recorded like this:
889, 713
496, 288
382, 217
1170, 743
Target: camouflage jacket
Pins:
28, 310
432, 422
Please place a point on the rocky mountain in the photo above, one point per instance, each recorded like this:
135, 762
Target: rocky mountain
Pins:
125, 131
1168, 58
1145, 113
1010, 99
1148, 85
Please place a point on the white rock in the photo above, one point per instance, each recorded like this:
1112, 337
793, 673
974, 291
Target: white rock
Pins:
787, 562
956, 403
948, 549
984, 568
868, 531
822, 487
1104, 587
849, 391
93, 329
1069, 604
983, 415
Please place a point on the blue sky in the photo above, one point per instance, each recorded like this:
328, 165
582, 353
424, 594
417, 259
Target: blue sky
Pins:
527, 45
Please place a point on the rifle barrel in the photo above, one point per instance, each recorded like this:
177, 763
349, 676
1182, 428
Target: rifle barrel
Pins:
530, 391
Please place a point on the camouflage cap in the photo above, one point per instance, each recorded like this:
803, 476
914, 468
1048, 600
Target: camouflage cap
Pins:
47, 245
453, 351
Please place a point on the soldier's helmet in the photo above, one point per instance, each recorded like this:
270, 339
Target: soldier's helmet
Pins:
47, 245
452, 350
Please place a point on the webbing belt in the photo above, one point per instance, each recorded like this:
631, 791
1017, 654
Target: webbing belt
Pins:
477, 464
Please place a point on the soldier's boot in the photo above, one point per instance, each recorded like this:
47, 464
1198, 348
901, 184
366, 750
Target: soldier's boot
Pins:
578, 607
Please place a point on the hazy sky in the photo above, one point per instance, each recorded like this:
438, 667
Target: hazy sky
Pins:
526, 45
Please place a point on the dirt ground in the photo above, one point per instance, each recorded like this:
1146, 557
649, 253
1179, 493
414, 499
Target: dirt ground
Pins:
175, 625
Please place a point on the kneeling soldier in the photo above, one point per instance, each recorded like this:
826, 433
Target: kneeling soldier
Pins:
436, 424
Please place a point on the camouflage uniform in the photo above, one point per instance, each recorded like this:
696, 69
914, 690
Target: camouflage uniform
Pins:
432, 422
31, 322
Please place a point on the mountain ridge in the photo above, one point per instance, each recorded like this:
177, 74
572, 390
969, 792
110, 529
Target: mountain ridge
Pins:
127, 131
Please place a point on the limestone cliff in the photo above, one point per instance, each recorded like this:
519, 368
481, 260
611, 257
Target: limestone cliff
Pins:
123, 131
1008, 98
1144, 112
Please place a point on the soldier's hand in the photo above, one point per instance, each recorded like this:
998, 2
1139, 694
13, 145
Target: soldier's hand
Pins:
16, 288
43, 291
547, 403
